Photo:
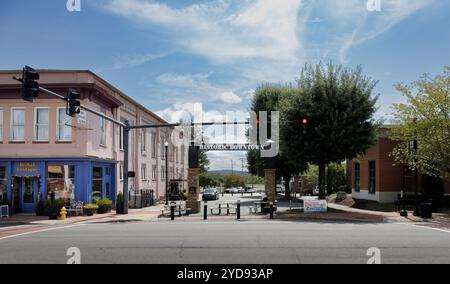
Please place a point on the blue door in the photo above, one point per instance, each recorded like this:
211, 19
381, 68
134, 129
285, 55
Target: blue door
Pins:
28, 194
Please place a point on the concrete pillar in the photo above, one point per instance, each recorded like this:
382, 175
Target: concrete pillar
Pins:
193, 201
270, 184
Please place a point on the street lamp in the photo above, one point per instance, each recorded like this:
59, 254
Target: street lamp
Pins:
166, 147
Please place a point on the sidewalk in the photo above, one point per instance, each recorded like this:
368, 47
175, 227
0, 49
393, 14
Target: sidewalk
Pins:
393, 216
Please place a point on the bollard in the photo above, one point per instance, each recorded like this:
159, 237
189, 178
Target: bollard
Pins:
179, 210
271, 210
205, 211
220, 209
238, 210
228, 209
172, 211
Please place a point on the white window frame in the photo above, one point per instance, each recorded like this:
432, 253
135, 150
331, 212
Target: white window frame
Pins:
144, 172
1, 123
144, 142
154, 141
103, 127
12, 124
154, 172
35, 138
58, 125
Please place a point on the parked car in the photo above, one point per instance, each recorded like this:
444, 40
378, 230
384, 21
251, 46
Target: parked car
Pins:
280, 189
210, 194
232, 190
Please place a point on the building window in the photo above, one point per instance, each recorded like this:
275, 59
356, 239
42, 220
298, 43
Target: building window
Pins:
61, 181
63, 131
154, 172
102, 131
357, 177
18, 125
97, 183
3, 185
154, 145
372, 177
120, 138
143, 141
41, 123
144, 172
1, 125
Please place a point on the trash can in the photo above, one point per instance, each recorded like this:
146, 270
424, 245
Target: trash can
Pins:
426, 210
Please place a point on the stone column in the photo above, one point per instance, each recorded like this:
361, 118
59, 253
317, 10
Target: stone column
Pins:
270, 184
193, 201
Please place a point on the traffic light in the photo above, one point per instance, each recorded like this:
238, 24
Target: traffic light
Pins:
30, 86
73, 104
305, 123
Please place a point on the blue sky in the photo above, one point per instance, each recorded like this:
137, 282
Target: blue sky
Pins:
171, 54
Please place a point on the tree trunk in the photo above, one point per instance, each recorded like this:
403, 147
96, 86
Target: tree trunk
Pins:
287, 186
322, 180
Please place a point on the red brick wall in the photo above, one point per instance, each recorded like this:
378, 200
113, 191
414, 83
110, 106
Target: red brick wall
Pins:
447, 186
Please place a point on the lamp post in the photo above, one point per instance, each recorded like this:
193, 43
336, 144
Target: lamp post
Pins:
166, 147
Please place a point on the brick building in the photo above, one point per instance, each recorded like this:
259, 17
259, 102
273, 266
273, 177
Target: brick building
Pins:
374, 176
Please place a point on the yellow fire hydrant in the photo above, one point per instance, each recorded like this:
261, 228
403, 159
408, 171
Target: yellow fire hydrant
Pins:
63, 213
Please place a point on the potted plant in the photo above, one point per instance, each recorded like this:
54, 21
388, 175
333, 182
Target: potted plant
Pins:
104, 206
119, 203
90, 209
51, 209
40, 208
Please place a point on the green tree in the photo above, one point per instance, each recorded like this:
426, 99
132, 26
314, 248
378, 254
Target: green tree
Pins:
203, 162
233, 181
336, 178
424, 118
268, 98
339, 106
207, 180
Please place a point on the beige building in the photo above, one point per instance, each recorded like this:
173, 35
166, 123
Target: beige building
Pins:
43, 151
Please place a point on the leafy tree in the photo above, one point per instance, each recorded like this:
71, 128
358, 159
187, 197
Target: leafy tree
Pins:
234, 181
424, 118
268, 98
339, 107
336, 178
203, 162
209, 180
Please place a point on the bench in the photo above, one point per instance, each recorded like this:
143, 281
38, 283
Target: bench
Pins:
76, 207
228, 208
180, 207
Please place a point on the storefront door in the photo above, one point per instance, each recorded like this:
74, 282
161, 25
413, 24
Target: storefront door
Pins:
27, 194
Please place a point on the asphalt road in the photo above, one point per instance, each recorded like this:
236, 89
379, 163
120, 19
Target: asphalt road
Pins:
230, 242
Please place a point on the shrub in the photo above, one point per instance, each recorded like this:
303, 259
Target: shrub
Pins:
90, 209
40, 208
53, 207
119, 203
104, 206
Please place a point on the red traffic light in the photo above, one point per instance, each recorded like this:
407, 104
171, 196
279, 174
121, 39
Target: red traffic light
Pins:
305, 121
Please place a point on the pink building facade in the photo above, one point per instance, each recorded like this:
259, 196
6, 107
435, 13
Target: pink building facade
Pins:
44, 152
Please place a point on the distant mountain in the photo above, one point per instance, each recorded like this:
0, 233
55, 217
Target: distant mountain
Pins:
228, 172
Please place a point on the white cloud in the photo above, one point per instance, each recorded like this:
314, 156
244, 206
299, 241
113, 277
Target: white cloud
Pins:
230, 97
132, 60
258, 29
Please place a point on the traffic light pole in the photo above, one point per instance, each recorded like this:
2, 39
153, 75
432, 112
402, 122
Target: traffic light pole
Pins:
126, 131
126, 154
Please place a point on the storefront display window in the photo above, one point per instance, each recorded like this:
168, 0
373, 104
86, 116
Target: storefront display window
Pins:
97, 183
61, 181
